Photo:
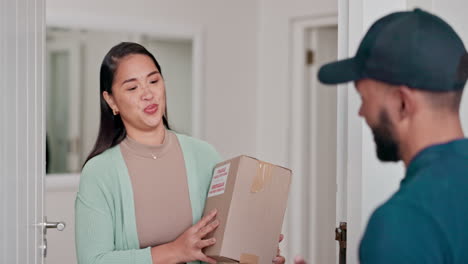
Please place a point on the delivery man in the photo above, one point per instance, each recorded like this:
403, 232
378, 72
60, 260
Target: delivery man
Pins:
410, 71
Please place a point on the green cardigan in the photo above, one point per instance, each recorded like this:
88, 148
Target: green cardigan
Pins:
105, 226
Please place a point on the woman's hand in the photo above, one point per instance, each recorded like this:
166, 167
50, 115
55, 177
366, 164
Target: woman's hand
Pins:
279, 259
299, 260
188, 247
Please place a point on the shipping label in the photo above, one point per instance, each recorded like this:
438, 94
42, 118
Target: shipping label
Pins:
219, 180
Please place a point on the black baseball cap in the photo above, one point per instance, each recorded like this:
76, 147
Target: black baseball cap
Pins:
413, 48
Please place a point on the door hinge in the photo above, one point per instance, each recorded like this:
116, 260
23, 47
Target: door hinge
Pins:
310, 56
340, 236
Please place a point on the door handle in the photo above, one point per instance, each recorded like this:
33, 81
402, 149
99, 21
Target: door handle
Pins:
60, 226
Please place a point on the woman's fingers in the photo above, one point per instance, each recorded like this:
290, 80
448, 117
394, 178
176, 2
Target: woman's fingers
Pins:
204, 258
205, 243
299, 260
279, 260
206, 219
281, 238
208, 228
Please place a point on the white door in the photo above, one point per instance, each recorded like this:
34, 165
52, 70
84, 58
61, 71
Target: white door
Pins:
311, 214
322, 45
22, 136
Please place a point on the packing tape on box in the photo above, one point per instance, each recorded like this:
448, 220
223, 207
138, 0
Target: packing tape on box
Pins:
262, 178
248, 259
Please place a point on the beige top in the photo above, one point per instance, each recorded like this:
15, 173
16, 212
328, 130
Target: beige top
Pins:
160, 189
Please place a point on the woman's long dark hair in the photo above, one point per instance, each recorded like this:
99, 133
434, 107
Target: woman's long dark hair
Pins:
111, 129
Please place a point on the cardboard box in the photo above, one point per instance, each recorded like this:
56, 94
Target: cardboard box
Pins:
251, 198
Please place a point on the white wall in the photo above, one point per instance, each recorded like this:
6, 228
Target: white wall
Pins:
230, 44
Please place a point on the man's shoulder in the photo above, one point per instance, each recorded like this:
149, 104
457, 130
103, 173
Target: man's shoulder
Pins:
448, 162
435, 184
401, 232
398, 204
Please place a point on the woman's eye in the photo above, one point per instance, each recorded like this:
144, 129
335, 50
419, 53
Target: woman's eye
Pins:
154, 81
132, 88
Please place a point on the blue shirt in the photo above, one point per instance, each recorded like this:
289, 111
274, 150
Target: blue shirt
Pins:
426, 220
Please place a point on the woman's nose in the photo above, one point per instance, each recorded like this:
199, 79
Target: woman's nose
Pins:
147, 93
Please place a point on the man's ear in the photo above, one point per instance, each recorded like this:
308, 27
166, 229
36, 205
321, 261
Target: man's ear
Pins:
407, 103
110, 101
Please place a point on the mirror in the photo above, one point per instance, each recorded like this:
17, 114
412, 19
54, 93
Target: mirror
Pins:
74, 58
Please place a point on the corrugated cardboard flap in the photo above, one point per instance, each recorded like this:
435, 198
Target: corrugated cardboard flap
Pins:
244, 259
248, 259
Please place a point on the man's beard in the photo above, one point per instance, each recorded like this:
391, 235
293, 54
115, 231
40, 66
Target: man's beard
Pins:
386, 144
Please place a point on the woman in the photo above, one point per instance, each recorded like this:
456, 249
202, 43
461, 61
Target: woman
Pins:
143, 187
